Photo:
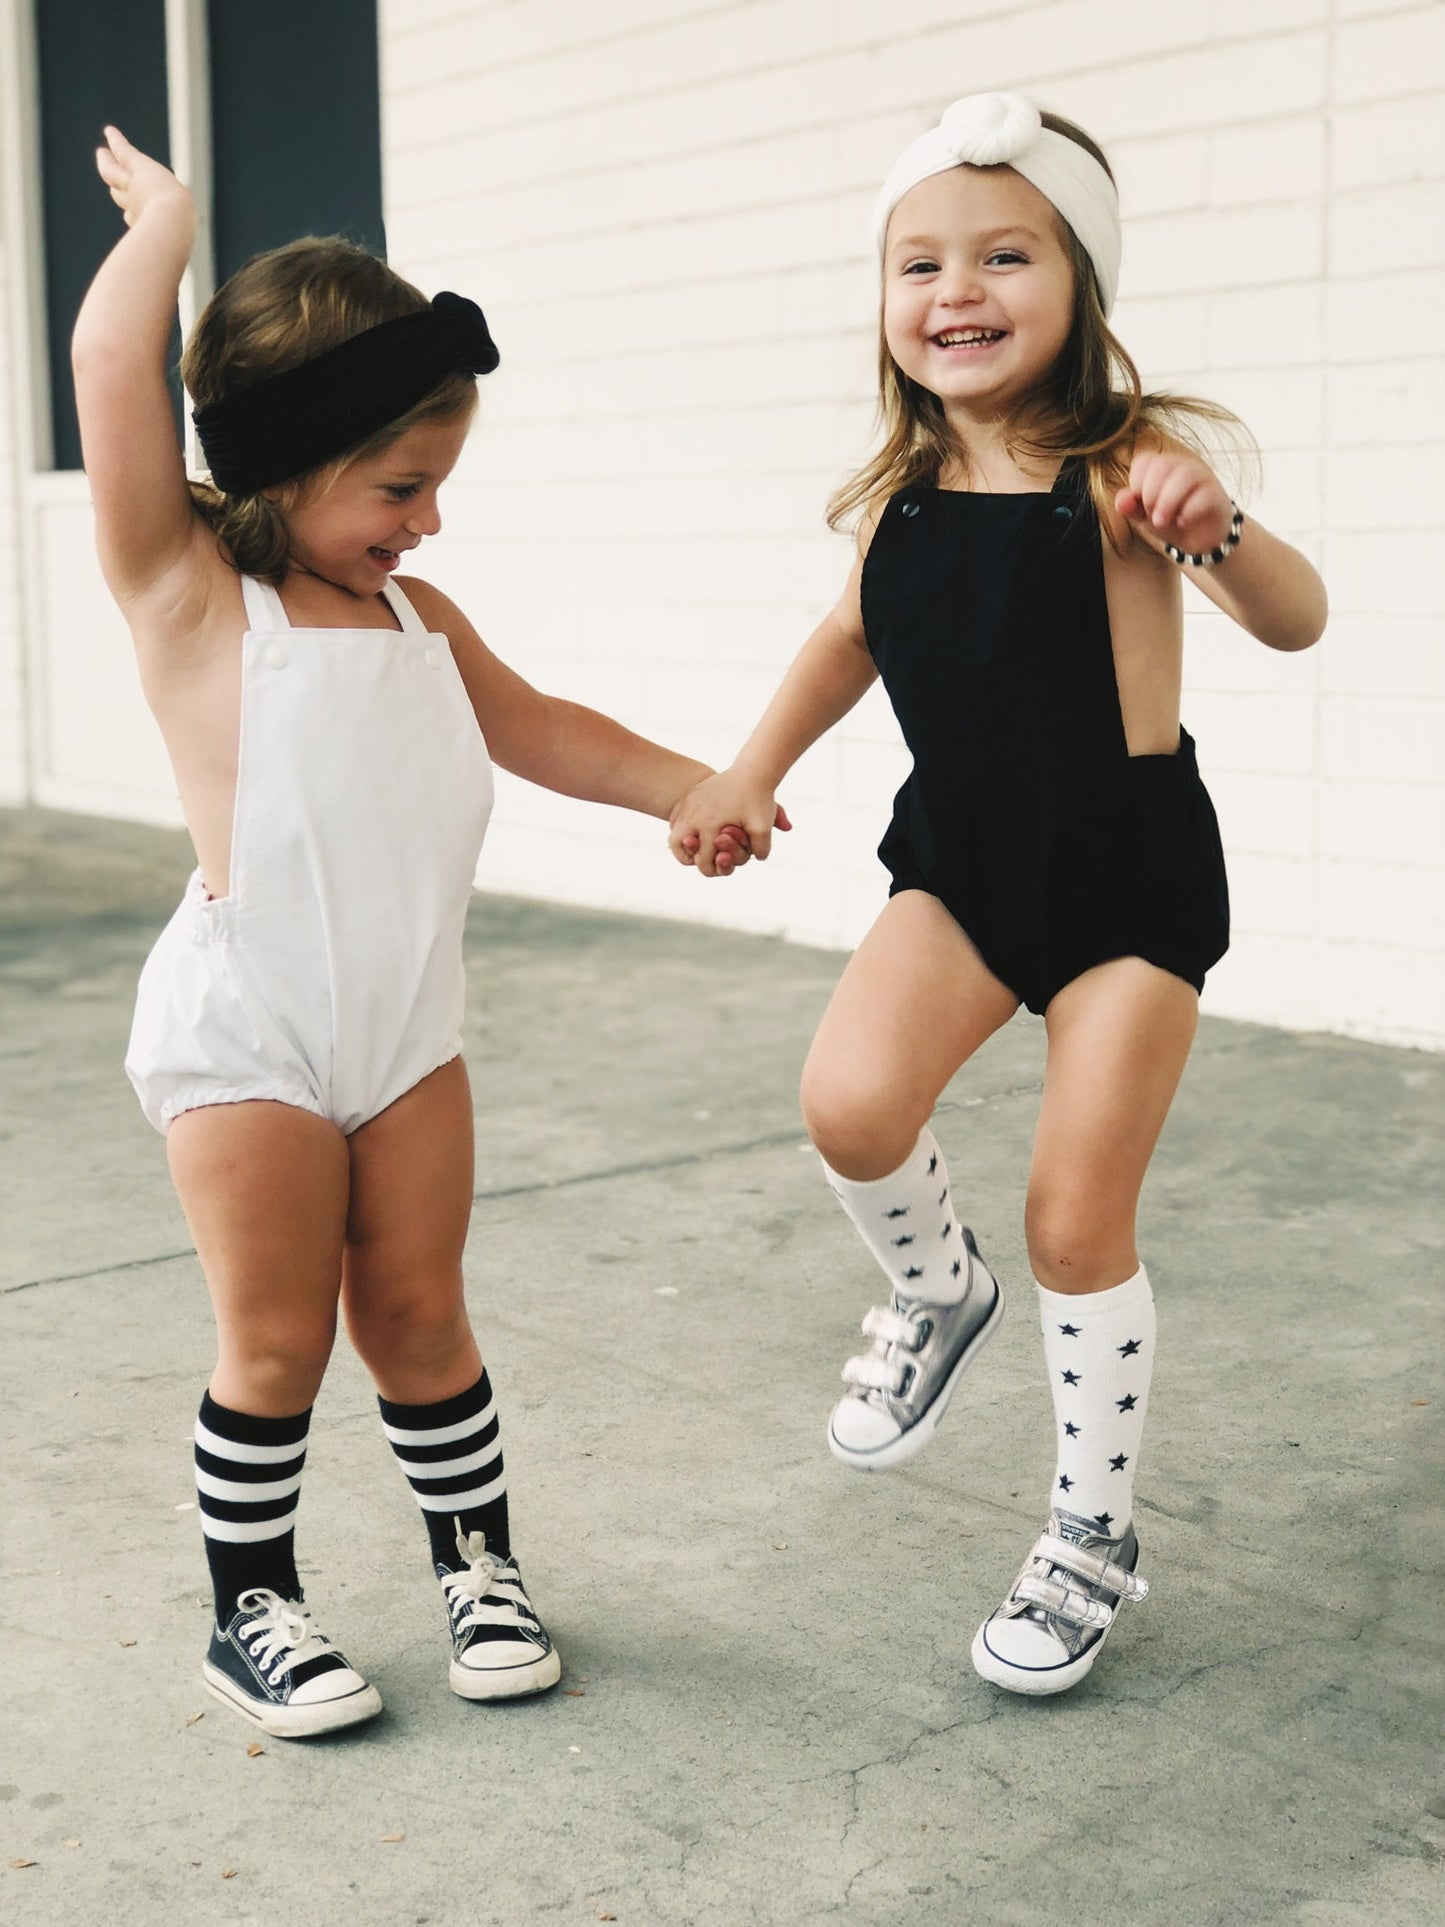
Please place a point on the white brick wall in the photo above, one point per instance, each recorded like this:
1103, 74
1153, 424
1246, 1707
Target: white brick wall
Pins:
662, 206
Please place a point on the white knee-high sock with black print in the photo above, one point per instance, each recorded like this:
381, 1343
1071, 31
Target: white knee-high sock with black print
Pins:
907, 1221
1099, 1349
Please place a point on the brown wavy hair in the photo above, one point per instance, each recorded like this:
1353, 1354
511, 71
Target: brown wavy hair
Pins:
281, 308
1094, 404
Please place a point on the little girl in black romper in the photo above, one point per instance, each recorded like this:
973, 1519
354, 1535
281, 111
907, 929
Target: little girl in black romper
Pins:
1021, 537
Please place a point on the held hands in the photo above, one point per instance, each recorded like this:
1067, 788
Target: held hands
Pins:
723, 821
135, 180
1175, 497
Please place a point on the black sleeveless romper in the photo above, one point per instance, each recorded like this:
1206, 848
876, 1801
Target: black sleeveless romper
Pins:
1024, 814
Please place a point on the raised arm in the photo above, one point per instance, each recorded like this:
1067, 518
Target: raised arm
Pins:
144, 519
826, 678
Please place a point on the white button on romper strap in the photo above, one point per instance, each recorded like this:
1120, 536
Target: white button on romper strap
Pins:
277, 656
433, 660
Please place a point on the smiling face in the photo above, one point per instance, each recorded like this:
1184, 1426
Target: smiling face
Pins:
978, 291
355, 532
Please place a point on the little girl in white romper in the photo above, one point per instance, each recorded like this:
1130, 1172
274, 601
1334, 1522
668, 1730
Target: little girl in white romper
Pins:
297, 1033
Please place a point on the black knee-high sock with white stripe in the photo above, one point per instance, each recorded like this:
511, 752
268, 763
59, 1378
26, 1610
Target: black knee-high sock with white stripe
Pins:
248, 1476
451, 1453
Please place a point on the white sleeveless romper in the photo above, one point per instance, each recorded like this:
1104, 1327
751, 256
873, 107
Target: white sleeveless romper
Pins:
331, 976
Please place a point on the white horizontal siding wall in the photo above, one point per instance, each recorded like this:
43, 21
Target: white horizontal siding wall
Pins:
662, 206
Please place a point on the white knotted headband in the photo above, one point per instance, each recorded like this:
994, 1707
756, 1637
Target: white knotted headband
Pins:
1006, 130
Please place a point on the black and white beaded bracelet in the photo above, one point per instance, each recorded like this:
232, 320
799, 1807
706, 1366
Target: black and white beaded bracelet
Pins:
1215, 556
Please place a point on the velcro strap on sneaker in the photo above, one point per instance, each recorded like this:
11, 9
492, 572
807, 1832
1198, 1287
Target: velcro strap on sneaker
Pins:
875, 1373
890, 1326
1062, 1601
1089, 1565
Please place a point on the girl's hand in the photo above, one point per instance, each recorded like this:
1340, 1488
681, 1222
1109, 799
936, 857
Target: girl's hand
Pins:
723, 821
134, 179
1175, 497
729, 851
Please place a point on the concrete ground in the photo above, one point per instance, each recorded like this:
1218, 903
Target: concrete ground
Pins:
768, 1713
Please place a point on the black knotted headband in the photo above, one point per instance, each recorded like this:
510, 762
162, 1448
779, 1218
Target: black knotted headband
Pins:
289, 423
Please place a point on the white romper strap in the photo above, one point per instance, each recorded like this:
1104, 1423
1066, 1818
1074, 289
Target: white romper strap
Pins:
264, 611
401, 608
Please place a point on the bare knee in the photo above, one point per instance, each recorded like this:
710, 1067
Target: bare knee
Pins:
857, 1124
415, 1330
1075, 1247
273, 1367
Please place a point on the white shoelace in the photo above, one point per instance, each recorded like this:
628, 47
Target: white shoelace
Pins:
281, 1634
488, 1593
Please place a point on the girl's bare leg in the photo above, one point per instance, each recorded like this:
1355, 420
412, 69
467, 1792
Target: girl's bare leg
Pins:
1118, 1040
411, 1202
264, 1189
914, 1003
411, 1199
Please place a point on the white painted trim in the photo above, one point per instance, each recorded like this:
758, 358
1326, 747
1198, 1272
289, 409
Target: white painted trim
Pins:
188, 105
29, 351
65, 485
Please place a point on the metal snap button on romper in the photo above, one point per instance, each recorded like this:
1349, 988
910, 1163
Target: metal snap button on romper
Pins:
1063, 515
910, 508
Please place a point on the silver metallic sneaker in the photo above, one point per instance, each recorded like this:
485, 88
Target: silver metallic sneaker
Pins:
898, 1392
1048, 1632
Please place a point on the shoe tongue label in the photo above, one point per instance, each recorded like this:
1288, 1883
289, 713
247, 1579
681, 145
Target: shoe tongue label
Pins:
1075, 1533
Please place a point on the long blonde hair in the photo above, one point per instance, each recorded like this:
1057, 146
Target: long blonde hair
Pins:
282, 308
1094, 405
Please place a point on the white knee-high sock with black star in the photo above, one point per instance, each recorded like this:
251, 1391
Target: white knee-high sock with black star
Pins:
1099, 1349
907, 1221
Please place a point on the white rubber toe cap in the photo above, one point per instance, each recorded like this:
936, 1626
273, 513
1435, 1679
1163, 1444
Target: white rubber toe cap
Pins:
857, 1426
1022, 1643
337, 1684
1024, 1657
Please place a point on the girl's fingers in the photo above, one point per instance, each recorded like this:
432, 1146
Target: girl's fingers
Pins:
732, 844
1165, 509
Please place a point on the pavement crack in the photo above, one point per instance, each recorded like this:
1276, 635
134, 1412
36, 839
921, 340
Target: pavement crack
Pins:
638, 1167
99, 1271
642, 1167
